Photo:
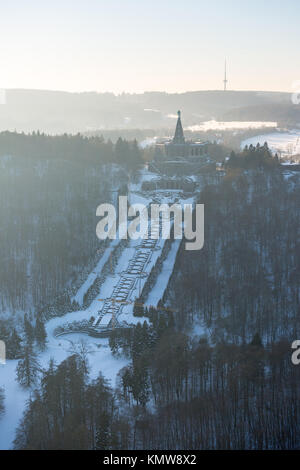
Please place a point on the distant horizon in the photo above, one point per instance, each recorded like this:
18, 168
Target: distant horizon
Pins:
145, 91
136, 46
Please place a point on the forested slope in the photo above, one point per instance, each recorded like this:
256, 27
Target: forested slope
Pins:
232, 387
50, 188
246, 277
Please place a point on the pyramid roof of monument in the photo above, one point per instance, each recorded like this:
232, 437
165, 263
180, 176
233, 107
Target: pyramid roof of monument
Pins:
179, 136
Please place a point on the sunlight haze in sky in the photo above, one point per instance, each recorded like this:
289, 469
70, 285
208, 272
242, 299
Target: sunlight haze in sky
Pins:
165, 45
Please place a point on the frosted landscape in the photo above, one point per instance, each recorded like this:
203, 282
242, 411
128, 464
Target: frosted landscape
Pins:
230, 125
150, 227
117, 301
286, 144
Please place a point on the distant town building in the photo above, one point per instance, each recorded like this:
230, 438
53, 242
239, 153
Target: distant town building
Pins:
179, 156
179, 147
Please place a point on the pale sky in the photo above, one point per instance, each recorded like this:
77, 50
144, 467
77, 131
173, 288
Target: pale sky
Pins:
143, 45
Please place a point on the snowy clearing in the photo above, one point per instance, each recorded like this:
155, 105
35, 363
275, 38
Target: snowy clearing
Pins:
286, 143
227, 125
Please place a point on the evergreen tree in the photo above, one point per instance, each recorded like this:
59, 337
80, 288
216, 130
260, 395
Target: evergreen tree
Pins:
122, 152
256, 341
14, 346
75, 306
135, 154
113, 342
103, 433
28, 368
138, 309
140, 381
40, 333
29, 330
141, 340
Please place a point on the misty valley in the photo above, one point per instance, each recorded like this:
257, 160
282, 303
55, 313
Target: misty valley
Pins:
150, 231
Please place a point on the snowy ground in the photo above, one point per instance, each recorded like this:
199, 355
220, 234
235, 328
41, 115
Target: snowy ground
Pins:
93, 275
162, 279
148, 142
15, 398
227, 125
285, 143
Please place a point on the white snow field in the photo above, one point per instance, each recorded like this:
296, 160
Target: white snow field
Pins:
15, 399
117, 293
230, 125
286, 144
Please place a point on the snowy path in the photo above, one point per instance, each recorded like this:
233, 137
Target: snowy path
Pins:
93, 275
163, 278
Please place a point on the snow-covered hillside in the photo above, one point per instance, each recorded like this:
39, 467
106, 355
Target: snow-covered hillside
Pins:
128, 266
285, 143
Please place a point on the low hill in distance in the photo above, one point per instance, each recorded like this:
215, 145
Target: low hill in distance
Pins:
57, 112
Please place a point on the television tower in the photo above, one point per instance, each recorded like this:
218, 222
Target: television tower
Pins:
225, 77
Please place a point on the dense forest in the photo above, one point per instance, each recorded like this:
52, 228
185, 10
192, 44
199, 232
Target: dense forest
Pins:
50, 188
216, 371
259, 157
246, 277
178, 393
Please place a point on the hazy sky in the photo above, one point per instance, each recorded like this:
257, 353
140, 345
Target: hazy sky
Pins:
137, 45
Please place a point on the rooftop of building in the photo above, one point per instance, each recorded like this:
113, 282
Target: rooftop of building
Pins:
179, 138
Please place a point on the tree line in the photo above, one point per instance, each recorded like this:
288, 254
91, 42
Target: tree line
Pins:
259, 157
177, 393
